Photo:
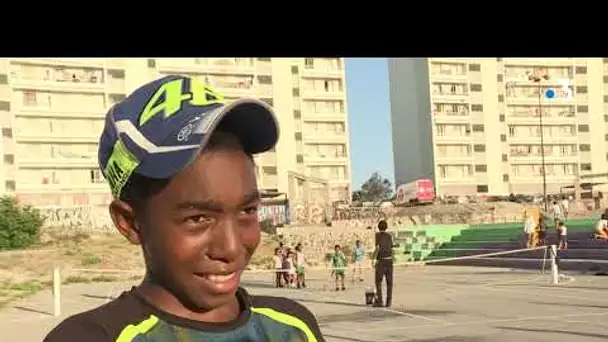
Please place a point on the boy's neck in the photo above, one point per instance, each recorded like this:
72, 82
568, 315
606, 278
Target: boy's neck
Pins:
163, 299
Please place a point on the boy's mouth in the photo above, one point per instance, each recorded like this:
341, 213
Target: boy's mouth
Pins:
222, 282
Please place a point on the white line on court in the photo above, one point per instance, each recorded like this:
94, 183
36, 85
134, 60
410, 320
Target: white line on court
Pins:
330, 299
561, 318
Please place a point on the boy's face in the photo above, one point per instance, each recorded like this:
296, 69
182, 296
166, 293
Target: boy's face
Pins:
202, 228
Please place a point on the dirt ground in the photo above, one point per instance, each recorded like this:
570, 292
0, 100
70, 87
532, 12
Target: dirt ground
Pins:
23, 273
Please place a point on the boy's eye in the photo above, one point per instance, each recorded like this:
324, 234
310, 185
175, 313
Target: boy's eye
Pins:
251, 210
198, 219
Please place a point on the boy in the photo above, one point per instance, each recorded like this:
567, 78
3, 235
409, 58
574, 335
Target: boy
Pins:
179, 164
300, 267
384, 263
278, 267
358, 258
562, 232
338, 266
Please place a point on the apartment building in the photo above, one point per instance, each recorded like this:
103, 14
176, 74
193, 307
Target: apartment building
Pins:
474, 125
52, 111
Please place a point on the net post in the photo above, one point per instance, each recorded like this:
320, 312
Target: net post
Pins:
56, 292
554, 266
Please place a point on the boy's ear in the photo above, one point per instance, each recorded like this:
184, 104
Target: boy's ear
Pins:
123, 217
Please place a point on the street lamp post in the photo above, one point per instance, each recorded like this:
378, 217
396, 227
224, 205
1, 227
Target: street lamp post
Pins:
538, 80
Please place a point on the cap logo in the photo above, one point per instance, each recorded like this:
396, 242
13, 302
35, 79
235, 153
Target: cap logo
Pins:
170, 97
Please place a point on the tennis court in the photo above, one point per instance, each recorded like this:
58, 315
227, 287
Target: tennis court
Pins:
431, 303
459, 303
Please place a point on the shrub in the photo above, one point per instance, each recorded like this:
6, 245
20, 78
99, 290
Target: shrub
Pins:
19, 225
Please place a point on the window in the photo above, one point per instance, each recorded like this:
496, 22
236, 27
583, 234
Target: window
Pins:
477, 108
263, 79
479, 148
503, 137
584, 147
501, 118
295, 92
7, 132
294, 69
9, 159
96, 176
298, 135
270, 170
581, 89
474, 67
478, 128
582, 109
151, 63
476, 87
297, 113
29, 97
505, 178
264, 59
581, 70
3, 79
501, 98
299, 158
583, 128
114, 73
268, 102
481, 168
585, 167
499, 77
505, 158
482, 189
10, 185
309, 63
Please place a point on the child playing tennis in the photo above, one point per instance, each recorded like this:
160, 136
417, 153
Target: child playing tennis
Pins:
338, 265
300, 267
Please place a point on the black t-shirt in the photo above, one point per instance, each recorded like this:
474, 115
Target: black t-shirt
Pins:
384, 243
130, 318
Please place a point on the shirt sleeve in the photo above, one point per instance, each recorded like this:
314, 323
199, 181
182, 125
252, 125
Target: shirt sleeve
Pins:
77, 329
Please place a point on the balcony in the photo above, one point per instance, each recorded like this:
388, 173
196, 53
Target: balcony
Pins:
324, 116
450, 97
449, 76
453, 138
63, 62
89, 162
548, 139
86, 84
534, 119
323, 95
325, 137
455, 158
55, 137
232, 66
451, 117
536, 158
328, 159
322, 73
538, 61
45, 111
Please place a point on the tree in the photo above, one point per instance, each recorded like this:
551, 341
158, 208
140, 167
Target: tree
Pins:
376, 188
19, 225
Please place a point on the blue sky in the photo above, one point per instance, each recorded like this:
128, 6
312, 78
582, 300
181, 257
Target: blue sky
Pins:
367, 94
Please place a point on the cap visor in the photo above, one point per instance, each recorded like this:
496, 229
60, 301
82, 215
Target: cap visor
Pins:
252, 121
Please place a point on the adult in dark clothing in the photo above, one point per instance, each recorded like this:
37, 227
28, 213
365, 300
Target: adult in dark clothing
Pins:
384, 263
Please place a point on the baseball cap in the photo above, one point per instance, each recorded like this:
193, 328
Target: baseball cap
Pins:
161, 127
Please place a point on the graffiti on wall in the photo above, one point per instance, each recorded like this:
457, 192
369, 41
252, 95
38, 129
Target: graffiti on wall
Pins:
82, 218
304, 213
278, 214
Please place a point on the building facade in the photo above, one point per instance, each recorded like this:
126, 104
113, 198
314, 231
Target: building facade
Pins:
52, 111
474, 125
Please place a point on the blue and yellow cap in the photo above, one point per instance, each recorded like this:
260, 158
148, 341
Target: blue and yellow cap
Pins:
160, 128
